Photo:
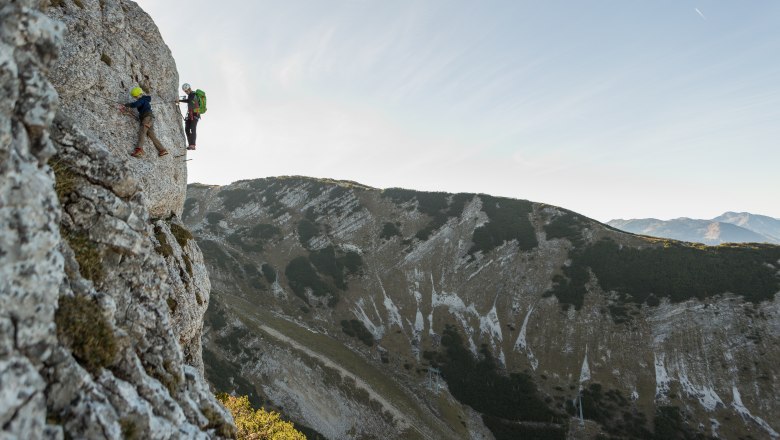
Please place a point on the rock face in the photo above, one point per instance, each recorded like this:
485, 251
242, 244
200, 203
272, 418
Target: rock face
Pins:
112, 46
102, 291
336, 302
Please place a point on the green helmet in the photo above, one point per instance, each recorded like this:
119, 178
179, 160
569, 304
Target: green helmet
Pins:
136, 92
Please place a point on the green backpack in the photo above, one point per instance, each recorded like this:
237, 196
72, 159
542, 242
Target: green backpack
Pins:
201, 101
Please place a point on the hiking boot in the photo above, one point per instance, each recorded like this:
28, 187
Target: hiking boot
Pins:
162, 153
138, 152
191, 147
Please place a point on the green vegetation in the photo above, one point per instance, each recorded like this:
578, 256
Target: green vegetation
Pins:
258, 424
568, 226
507, 430
266, 192
106, 59
677, 271
87, 254
82, 327
182, 234
129, 429
172, 305
480, 384
214, 218
65, 180
352, 261
437, 205
356, 329
163, 248
390, 230
235, 198
681, 272
301, 275
223, 374
508, 220
670, 425
613, 412
255, 277
308, 272
226, 377
306, 231
269, 273
334, 264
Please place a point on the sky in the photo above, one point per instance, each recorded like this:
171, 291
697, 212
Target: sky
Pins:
610, 108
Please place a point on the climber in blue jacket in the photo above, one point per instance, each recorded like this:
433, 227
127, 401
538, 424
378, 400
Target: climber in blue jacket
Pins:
143, 103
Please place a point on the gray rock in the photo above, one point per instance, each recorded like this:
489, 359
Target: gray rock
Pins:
112, 46
89, 347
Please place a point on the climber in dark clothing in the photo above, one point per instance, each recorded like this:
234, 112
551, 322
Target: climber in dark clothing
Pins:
192, 118
143, 104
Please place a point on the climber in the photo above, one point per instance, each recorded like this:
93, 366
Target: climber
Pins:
193, 114
143, 103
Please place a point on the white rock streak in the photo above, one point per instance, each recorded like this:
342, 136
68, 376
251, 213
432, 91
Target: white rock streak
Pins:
522, 344
745, 413
585, 370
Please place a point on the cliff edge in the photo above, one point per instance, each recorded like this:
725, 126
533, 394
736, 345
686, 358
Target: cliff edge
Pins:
102, 289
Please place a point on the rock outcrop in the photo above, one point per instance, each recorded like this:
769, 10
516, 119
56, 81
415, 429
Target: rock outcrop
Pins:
102, 290
110, 47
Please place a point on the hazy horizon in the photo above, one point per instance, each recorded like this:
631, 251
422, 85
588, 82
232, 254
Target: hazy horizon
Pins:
610, 109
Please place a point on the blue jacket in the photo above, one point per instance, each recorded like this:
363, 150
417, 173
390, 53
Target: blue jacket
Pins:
143, 104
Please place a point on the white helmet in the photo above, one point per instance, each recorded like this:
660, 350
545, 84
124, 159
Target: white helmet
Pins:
186, 86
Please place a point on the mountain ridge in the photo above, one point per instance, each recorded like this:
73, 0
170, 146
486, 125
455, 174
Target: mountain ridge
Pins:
531, 295
728, 227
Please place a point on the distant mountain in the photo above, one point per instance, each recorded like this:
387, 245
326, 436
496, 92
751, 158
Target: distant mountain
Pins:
730, 227
757, 223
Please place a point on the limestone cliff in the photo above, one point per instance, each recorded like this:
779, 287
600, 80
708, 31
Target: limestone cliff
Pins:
102, 290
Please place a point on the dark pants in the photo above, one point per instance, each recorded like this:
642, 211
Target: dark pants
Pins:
190, 125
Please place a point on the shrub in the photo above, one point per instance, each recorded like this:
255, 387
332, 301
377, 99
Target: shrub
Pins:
356, 329
301, 275
676, 271
214, 218
568, 226
438, 205
614, 412
326, 263
269, 273
480, 384
235, 198
508, 220
163, 248
82, 327
306, 231
258, 424
106, 59
65, 180
389, 230
87, 254
182, 234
